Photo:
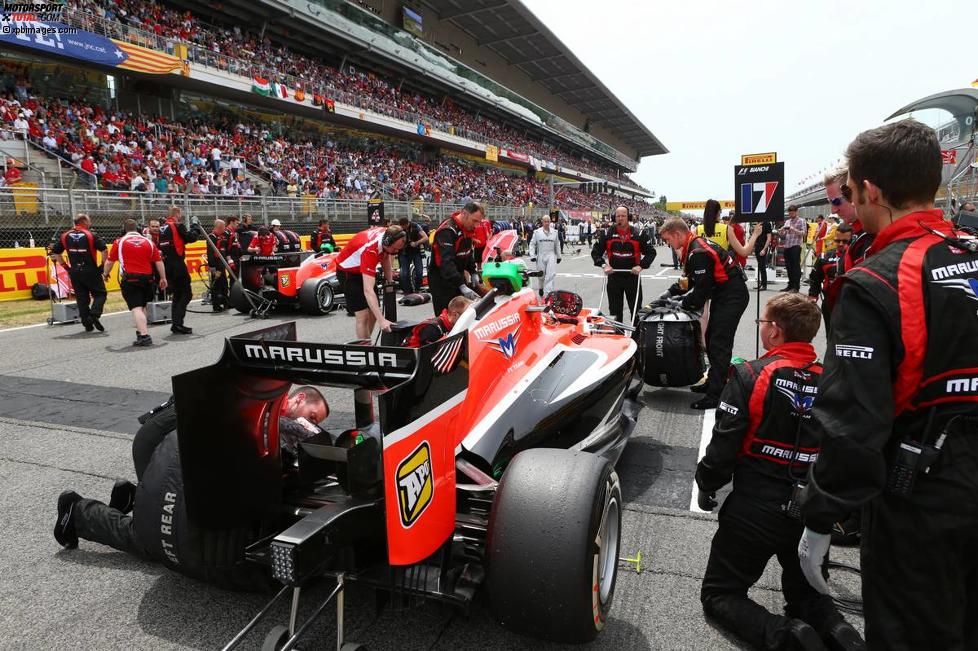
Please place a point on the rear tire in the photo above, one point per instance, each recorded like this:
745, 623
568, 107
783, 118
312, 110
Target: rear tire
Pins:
238, 300
316, 297
553, 542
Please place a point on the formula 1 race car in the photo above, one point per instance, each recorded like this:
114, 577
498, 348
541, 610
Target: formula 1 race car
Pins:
485, 458
303, 280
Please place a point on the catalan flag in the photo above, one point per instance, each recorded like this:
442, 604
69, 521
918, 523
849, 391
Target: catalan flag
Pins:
141, 59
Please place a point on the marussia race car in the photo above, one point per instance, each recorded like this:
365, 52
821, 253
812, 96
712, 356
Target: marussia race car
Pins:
303, 280
486, 457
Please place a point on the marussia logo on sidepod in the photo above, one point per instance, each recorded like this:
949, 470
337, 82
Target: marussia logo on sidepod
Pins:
507, 345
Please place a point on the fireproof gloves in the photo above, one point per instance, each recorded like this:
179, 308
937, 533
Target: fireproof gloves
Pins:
706, 501
812, 549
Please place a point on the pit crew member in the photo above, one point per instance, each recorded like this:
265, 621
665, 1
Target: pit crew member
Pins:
138, 257
710, 273
357, 263
622, 248
764, 440
158, 529
898, 403
452, 261
82, 247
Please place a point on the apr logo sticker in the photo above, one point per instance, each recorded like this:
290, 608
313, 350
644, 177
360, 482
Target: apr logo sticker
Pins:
415, 488
967, 285
285, 281
507, 345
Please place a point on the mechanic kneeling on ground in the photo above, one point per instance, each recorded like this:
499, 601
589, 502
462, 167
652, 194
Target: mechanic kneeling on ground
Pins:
137, 257
709, 273
765, 420
623, 248
356, 267
158, 529
433, 329
452, 263
898, 403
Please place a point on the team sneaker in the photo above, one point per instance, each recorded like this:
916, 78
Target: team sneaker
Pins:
64, 529
123, 495
98, 324
143, 340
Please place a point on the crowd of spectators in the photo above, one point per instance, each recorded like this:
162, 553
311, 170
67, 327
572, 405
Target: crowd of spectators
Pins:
122, 151
231, 47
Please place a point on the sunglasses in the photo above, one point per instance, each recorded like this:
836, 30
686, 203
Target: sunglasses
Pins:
760, 321
838, 201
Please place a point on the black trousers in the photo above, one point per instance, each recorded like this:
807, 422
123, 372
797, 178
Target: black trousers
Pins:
411, 269
178, 286
918, 560
219, 289
761, 269
726, 309
621, 287
792, 263
751, 532
90, 292
441, 293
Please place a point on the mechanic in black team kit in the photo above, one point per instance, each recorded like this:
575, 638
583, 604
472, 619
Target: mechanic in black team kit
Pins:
764, 440
709, 272
898, 403
158, 529
453, 259
619, 249
174, 237
82, 247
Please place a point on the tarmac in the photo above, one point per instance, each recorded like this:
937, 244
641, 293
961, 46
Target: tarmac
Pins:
68, 407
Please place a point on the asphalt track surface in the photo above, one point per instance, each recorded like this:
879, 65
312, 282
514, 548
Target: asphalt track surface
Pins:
68, 407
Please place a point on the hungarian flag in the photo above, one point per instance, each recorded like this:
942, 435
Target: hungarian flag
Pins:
261, 86
330, 106
300, 95
280, 91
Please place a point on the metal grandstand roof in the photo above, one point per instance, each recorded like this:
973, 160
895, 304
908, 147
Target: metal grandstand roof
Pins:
509, 29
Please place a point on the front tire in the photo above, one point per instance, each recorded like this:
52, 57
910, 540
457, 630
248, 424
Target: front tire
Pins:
553, 542
316, 297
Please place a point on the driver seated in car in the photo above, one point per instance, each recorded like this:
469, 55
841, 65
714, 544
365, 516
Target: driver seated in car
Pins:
433, 329
158, 528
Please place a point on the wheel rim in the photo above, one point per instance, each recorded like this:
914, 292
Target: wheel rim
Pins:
324, 297
607, 541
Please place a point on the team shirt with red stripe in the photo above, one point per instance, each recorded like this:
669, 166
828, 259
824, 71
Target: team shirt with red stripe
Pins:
362, 254
135, 254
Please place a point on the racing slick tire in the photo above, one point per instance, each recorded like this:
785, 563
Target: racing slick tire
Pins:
316, 297
237, 299
552, 546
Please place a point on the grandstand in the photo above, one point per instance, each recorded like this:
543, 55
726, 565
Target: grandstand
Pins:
306, 110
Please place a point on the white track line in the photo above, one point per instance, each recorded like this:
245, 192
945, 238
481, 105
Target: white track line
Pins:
38, 325
709, 419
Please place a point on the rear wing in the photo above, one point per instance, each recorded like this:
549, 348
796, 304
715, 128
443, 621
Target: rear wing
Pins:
227, 415
227, 423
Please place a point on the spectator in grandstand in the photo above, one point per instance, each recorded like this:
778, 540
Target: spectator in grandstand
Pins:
793, 234
12, 176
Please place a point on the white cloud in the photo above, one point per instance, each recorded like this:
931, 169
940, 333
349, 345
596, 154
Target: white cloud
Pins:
716, 79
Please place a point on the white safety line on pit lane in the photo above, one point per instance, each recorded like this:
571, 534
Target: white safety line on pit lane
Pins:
709, 419
38, 325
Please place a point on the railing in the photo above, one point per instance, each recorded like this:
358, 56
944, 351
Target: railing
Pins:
10, 134
250, 68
